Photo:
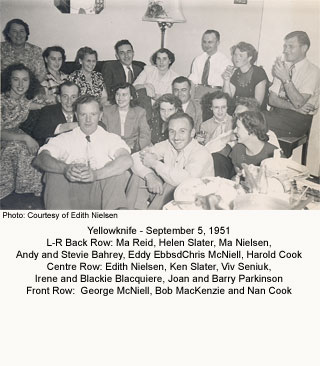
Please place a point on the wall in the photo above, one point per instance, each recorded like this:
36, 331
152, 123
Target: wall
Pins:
122, 19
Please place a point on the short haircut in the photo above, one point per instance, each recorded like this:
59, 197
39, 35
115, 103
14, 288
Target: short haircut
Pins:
210, 31
246, 47
168, 98
207, 99
251, 103
302, 37
46, 52
163, 50
15, 21
34, 86
85, 51
133, 93
121, 43
179, 115
67, 83
86, 99
255, 123
181, 79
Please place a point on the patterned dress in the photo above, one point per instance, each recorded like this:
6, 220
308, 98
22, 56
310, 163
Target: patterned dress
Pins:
30, 56
95, 88
51, 84
17, 174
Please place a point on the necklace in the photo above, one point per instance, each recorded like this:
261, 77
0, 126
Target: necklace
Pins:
244, 78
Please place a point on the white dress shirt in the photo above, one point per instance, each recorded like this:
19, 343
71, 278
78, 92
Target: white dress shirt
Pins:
218, 64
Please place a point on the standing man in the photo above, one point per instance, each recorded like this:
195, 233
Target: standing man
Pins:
58, 118
85, 168
124, 69
181, 88
294, 93
207, 68
160, 169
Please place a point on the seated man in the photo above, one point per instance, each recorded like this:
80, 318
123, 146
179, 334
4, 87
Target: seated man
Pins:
85, 167
294, 93
123, 70
57, 118
159, 169
181, 88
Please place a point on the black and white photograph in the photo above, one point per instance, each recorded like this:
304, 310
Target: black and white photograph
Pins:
160, 105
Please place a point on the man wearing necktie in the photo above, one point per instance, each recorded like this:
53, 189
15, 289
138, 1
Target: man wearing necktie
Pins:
207, 68
58, 118
125, 69
85, 168
294, 94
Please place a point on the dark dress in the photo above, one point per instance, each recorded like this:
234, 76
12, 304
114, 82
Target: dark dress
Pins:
245, 83
158, 133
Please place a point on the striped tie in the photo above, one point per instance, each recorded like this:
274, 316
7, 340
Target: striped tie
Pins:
205, 74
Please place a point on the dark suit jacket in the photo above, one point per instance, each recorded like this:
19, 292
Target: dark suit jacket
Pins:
113, 73
50, 117
136, 129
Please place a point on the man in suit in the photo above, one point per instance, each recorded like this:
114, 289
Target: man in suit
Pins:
122, 70
181, 88
58, 118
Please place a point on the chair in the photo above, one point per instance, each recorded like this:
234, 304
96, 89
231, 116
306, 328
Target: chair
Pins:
288, 144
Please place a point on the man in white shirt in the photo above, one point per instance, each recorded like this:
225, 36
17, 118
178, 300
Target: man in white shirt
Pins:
158, 170
207, 68
85, 168
294, 94
181, 88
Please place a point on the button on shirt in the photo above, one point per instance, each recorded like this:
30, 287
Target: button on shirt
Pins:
218, 64
72, 147
174, 167
306, 79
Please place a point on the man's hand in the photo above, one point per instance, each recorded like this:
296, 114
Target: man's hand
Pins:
280, 70
148, 159
154, 183
32, 144
88, 175
73, 172
305, 109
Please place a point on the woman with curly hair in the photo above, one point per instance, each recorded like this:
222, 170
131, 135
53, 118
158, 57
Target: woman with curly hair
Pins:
163, 108
252, 146
157, 78
245, 79
89, 81
126, 119
17, 148
15, 49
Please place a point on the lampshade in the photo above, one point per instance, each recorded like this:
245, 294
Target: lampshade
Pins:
168, 11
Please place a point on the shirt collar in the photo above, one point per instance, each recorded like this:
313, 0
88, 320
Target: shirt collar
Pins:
300, 64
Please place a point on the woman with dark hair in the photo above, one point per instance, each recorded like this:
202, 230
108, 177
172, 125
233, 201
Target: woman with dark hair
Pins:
17, 148
89, 81
252, 146
54, 57
164, 107
157, 78
15, 49
126, 119
245, 79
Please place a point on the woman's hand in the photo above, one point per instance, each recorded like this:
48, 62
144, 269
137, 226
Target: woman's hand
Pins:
150, 90
226, 75
32, 144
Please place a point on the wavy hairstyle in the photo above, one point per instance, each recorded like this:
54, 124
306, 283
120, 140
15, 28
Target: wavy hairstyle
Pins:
132, 90
246, 47
46, 52
6, 30
163, 50
168, 98
85, 51
34, 86
255, 123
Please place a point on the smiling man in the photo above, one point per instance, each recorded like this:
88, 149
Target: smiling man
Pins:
294, 94
207, 68
85, 167
159, 169
125, 69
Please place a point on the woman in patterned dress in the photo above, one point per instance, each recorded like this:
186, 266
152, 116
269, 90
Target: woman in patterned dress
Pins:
17, 148
53, 57
89, 81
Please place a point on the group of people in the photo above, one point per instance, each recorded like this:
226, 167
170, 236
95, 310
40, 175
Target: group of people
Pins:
126, 137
